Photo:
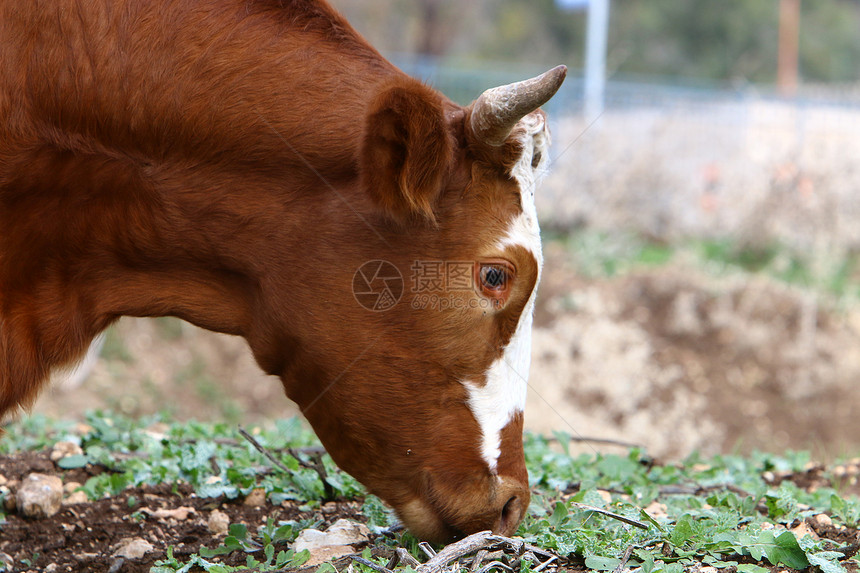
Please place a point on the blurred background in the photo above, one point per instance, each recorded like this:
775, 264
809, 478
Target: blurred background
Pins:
701, 225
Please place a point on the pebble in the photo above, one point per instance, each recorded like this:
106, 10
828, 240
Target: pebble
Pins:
823, 520
337, 541
39, 496
133, 548
65, 449
76, 497
83, 429
802, 530
71, 487
158, 431
657, 510
3, 479
256, 498
219, 522
9, 503
179, 514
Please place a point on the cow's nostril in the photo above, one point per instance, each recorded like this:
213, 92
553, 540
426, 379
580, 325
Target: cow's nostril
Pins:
510, 516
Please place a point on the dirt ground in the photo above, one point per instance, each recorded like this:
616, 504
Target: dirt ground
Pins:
676, 360
89, 537
95, 537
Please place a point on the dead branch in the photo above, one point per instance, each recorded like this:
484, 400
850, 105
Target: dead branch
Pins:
481, 542
588, 440
624, 559
259, 447
627, 520
370, 564
406, 557
454, 551
317, 465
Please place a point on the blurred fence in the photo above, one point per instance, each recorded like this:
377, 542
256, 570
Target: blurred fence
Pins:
695, 160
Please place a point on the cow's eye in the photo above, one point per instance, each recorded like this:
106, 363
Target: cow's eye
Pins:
494, 277
536, 159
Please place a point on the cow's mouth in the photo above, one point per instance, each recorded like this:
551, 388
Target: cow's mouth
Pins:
427, 517
424, 522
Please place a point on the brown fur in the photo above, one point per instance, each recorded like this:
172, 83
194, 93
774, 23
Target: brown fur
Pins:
232, 163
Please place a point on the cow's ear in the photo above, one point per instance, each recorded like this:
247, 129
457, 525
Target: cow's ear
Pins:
406, 150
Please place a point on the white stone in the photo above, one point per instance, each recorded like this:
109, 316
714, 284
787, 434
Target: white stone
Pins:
337, 541
218, 523
133, 548
65, 449
76, 497
179, 513
39, 496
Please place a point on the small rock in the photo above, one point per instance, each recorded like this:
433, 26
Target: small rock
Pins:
179, 514
83, 429
132, 548
802, 530
65, 449
823, 520
321, 555
328, 508
7, 561
40, 496
256, 498
337, 541
71, 487
76, 497
52, 568
9, 502
351, 532
657, 510
218, 522
607, 497
3, 479
158, 431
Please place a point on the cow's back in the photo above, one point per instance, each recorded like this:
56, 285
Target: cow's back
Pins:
255, 81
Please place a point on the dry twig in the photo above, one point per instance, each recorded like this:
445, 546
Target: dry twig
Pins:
481, 542
627, 520
259, 447
407, 558
370, 564
317, 466
624, 559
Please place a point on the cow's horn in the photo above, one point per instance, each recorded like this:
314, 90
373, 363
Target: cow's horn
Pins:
497, 110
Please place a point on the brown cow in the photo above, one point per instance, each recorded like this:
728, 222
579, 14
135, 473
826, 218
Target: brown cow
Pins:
234, 163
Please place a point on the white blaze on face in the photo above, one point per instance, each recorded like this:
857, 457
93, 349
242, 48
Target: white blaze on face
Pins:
495, 403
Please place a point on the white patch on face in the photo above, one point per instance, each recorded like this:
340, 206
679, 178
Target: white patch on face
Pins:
503, 396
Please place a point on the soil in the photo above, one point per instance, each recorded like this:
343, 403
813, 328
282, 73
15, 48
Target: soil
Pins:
84, 537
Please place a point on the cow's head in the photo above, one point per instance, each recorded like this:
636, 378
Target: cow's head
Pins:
413, 359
